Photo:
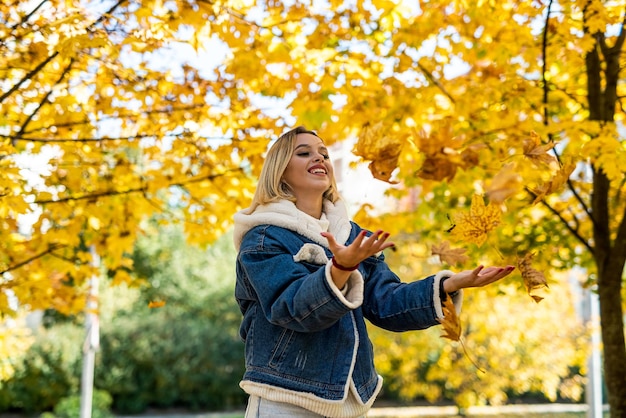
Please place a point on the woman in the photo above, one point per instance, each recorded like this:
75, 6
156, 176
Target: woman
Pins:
308, 277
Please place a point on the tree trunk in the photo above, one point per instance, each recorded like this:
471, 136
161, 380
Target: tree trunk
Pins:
611, 320
610, 257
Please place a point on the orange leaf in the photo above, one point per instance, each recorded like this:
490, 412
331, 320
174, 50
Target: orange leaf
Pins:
449, 255
451, 323
156, 304
536, 152
505, 184
377, 145
533, 279
559, 179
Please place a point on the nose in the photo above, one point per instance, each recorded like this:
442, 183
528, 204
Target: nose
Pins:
318, 157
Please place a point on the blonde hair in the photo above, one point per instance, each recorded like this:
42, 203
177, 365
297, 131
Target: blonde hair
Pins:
271, 186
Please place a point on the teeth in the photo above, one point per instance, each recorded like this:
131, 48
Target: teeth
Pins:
318, 171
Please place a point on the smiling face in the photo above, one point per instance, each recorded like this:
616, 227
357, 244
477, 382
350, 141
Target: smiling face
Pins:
309, 172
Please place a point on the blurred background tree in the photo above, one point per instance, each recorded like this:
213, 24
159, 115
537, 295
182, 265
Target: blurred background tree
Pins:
186, 353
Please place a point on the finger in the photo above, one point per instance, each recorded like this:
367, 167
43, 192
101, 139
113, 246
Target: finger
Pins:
477, 270
359, 238
332, 243
374, 236
378, 239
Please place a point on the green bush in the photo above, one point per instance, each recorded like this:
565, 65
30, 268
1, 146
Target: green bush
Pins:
166, 361
70, 407
48, 372
186, 354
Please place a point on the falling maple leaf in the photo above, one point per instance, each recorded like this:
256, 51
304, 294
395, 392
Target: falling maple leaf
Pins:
533, 279
559, 179
449, 255
451, 324
505, 184
440, 147
475, 225
536, 152
156, 304
382, 149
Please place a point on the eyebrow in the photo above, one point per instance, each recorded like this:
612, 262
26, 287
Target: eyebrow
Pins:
322, 147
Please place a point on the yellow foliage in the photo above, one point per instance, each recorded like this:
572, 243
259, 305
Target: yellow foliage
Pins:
478, 223
15, 339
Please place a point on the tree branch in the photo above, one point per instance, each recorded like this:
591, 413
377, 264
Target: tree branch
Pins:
28, 16
142, 189
544, 67
28, 76
44, 100
571, 187
558, 214
50, 249
121, 138
436, 82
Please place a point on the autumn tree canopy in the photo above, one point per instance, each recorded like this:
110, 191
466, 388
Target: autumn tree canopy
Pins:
503, 119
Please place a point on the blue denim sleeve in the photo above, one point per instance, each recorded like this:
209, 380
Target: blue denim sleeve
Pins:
395, 305
290, 294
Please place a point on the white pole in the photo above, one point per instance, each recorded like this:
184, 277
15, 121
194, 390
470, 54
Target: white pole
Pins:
594, 363
92, 341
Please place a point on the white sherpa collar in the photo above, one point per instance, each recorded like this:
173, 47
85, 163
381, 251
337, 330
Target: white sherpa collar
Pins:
285, 214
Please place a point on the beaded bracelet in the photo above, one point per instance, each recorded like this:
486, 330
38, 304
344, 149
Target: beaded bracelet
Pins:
342, 268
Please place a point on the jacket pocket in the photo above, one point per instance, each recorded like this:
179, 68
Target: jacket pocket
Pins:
281, 348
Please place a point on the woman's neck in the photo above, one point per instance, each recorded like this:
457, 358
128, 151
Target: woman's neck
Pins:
310, 207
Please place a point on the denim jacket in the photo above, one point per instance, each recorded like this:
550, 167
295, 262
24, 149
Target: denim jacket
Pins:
301, 333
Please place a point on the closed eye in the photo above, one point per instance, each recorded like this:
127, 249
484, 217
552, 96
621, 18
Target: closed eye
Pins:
306, 154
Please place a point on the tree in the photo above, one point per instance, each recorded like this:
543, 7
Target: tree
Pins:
520, 103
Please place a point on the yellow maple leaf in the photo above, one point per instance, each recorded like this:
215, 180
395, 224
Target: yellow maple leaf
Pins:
555, 184
533, 279
536, 152
449, 255
505, 184
450, 323
475, 225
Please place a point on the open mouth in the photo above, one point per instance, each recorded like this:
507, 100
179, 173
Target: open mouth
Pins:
317, 170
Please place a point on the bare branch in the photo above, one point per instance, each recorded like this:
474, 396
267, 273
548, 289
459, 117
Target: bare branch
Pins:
570, 228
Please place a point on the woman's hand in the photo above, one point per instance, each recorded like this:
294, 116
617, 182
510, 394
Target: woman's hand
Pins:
478, 277
361, 248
